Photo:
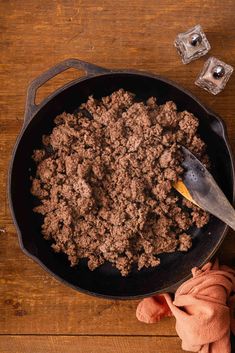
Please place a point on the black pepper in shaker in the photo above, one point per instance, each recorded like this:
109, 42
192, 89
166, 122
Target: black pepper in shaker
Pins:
195, 39
218, 71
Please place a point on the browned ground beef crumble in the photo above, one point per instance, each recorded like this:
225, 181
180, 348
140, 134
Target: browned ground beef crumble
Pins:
104, 179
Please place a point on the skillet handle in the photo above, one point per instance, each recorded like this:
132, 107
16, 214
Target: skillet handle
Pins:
31, 107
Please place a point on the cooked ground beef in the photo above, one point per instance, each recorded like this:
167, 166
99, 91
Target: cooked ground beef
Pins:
104, 179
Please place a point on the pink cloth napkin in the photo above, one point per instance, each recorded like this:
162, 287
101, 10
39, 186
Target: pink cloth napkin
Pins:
204, 308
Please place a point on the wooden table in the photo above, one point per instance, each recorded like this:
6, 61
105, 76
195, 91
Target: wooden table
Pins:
37, 313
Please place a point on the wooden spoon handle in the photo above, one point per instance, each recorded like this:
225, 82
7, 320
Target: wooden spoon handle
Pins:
182, 189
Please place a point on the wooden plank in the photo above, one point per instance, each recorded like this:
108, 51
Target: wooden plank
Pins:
93, 344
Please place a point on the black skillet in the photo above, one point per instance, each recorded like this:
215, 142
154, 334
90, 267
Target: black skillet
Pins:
106, 281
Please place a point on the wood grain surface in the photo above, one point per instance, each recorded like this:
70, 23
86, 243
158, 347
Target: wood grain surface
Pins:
90, 344
37, 313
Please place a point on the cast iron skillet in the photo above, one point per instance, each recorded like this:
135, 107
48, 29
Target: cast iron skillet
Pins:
106, 281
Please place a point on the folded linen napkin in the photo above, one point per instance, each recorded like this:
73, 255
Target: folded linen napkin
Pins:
204, 308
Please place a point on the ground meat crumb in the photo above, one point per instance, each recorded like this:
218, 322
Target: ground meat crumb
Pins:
200, 218
104, 180
185, 242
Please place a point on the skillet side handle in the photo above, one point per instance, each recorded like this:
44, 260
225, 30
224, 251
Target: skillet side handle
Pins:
31, 107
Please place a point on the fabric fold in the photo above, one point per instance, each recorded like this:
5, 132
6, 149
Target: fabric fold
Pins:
203, 307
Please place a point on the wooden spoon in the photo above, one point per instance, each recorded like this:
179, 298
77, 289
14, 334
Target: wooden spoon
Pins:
199, 186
